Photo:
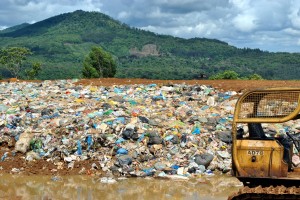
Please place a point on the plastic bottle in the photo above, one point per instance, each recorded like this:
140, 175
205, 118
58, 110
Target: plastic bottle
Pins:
4, 156
196, 129
89, 141
79, 148
108, 112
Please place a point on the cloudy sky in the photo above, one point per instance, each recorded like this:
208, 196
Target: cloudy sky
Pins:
271, 25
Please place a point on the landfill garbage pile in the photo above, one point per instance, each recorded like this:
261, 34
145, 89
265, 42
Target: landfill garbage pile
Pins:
172, 131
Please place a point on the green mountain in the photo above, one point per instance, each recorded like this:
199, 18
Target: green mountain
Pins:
14, 28
61, 43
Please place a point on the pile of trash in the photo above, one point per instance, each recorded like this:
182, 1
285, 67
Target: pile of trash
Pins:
128, 130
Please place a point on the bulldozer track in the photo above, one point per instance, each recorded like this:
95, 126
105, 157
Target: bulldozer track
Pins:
275, 193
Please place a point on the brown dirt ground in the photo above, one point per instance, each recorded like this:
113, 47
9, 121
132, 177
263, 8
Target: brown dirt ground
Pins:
44, 167
236, 85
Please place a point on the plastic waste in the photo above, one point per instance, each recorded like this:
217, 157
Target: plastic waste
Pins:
108, 112
107, 180
89, 141
135, 112
169, 137
124, 160
56, 178
122, 151
204, 107
196, 129
79, 148
149, 171
120, 140
125, 127
4, 156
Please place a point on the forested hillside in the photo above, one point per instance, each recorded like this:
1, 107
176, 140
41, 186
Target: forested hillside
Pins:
61, 43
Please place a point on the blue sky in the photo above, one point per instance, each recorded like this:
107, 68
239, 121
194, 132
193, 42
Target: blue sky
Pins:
271, 25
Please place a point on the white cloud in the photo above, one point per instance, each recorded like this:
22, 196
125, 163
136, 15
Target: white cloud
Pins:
123, 15
37, 10
3, 27
292, 32
243, 23
240, 4
295, 18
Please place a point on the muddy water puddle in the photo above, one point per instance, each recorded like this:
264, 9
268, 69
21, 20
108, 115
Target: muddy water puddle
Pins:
216, 187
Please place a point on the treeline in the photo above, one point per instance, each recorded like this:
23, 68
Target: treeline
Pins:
62, 42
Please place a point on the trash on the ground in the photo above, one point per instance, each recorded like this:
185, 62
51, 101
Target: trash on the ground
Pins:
171, 131
107, 180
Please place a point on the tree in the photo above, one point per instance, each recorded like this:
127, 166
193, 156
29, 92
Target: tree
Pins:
13, 58
33, 72
98, 64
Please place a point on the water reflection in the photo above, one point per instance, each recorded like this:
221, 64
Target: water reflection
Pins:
84, 187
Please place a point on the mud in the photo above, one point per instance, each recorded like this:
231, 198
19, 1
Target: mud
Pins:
90, 187
278, 192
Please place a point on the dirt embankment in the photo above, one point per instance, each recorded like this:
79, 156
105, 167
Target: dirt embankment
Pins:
235, 85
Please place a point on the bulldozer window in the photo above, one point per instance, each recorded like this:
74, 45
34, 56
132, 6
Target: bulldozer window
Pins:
256, 131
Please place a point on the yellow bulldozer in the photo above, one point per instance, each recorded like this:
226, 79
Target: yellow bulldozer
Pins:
262, 159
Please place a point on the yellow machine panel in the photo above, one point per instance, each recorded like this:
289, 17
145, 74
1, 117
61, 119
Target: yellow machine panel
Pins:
261, 158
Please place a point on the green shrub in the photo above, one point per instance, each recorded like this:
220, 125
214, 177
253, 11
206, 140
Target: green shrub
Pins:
228, 74
255, 77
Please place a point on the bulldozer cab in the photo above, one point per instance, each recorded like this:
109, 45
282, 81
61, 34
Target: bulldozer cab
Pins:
260, 157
